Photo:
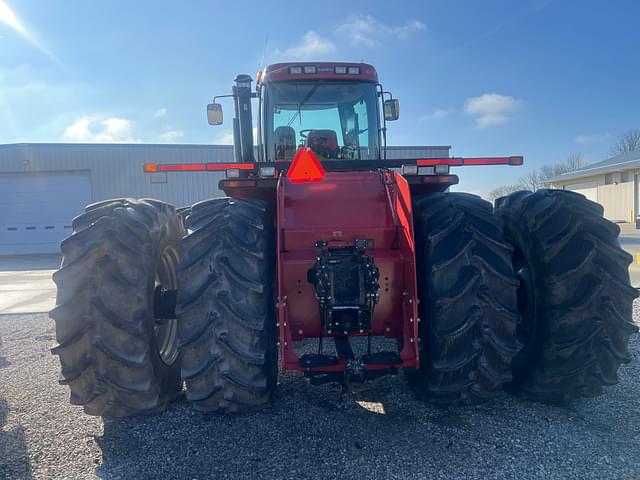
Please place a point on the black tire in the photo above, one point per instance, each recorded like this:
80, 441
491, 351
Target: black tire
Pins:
468, 300
226, 308
577, 327
104, 315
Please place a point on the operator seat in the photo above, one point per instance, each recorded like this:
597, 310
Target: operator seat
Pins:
285, 143
323, 142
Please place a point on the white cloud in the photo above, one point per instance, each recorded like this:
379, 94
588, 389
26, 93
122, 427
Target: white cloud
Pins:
411, 26
33, 110
311, 46
491, 109
162, 112
366, 31
103, 129
593, 138
98, 128
172, 136
438, 113
92, 130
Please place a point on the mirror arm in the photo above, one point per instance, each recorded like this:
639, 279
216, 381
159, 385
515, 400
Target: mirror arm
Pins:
253, 95
221, 96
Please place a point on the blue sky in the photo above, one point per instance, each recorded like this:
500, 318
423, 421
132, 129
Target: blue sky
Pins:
538, 78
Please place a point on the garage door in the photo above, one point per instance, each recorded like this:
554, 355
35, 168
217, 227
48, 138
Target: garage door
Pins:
588, 189
36, 209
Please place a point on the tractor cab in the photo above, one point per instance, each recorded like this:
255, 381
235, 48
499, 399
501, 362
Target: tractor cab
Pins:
338, 120
338, 110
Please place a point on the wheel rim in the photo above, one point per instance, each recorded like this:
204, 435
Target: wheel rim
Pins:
166, 329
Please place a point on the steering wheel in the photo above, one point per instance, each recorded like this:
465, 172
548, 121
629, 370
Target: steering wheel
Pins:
305, 133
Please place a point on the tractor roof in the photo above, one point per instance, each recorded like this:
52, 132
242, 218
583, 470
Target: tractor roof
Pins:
294, 71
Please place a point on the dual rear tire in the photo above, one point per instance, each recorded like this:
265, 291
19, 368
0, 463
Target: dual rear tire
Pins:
126, 341
575, 300
533, 296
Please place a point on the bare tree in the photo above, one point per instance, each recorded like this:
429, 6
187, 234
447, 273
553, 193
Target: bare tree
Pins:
504, 191
629, 141
547, 172
541, 177
532, 180
574, 162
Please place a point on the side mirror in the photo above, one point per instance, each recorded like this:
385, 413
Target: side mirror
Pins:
214, 114
391, 109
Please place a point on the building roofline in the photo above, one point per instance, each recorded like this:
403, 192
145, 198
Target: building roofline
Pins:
624, 163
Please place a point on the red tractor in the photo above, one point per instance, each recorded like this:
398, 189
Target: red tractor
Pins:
329, 259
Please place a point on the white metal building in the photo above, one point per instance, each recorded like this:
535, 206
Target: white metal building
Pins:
44, 186
614, 183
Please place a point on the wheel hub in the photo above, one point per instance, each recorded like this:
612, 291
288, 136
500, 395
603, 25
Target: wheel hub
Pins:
165, 326
526, 329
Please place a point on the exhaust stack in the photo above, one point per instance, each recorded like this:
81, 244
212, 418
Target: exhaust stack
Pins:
243, 121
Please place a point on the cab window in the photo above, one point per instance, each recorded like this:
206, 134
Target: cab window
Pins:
336, 120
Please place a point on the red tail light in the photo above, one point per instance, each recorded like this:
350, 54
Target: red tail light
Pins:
305, 167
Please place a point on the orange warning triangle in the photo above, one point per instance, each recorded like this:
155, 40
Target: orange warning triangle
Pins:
305, 167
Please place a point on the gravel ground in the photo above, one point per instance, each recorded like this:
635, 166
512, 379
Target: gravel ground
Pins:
312, 432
